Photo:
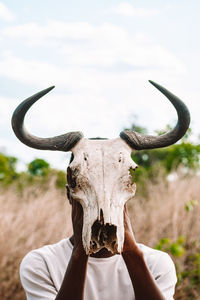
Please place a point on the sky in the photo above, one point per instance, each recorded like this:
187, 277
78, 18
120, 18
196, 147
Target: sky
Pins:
100, 56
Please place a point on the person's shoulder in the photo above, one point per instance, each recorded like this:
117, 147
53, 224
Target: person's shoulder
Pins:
162, 268
151, 252
40, 266
157, 259
40, 256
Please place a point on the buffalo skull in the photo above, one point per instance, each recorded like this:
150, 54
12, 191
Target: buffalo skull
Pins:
99, 174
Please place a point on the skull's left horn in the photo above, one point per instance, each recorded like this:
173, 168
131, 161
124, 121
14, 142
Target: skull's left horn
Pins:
62, 142
140, 142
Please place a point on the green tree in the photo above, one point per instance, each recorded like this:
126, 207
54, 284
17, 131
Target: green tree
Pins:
184, 153
8, 171
160, 162
38, 167
61, 179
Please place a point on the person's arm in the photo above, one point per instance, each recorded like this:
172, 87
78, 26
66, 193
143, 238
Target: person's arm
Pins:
74, 280
72, 287
145, 286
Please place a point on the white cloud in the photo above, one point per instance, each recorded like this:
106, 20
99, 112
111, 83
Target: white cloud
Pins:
5, 13
52, 30
30, 72
100, 46
90, 72
6, 106
109, 60
127, 9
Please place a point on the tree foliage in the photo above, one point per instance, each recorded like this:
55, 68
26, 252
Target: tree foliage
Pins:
38, 167
183, 154
7, 168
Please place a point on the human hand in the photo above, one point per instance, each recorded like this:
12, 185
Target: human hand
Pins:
77, 222
130, 244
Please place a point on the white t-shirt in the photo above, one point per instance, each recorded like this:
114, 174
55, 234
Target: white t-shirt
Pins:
42, 272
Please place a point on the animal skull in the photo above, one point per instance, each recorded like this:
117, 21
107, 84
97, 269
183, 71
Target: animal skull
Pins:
99, 175
100, 180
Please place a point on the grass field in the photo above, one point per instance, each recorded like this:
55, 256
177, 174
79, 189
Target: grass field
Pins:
168, 217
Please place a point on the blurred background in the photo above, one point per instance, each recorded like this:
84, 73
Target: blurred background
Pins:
100, 55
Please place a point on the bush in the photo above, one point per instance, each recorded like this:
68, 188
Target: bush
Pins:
61, 179
7, 169
38, 167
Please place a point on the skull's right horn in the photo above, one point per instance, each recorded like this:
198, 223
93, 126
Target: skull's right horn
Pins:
140, 142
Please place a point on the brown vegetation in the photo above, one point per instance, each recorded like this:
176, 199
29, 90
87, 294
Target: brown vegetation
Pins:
36, 217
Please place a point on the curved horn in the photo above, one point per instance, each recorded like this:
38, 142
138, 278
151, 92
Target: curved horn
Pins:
62, 142
139, 142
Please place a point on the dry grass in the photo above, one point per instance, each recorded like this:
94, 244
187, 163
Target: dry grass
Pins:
163, 213
28, 222
41, 217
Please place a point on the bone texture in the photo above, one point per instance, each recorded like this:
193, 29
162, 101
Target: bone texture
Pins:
103, 186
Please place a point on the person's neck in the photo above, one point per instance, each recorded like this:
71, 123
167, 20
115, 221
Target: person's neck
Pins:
103, 253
